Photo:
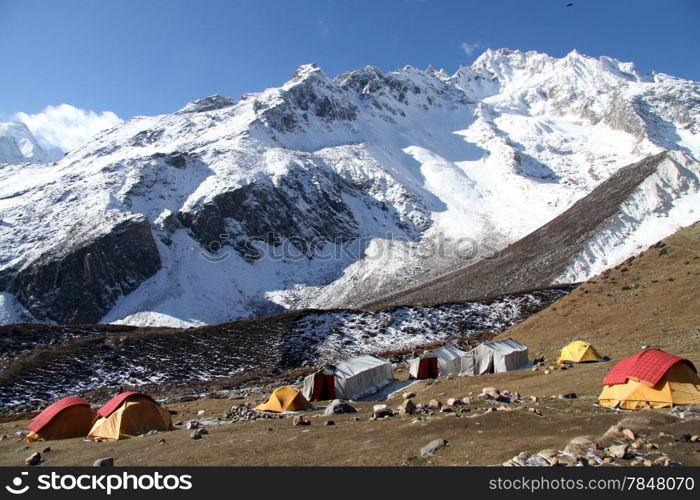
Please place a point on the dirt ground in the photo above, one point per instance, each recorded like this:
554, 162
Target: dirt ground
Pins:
652, 300
475, 437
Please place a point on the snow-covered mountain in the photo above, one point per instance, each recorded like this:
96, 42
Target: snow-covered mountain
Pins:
326, 191
18, 145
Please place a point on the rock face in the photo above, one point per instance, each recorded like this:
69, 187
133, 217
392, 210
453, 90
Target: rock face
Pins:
81, 285
355, 187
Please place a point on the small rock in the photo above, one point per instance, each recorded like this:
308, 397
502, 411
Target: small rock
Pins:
355, 419
617, 451
695, 438
491, 391
569, 395
546, 372
196, 434
534, 399
329, 422
629, 434
4, 437
454, 401
161, 441
408, 395
580, 445
381, 411
446, 409
192, 424
434, 404
429, 449
104, 462
548, 453
46, 450
33, 459
408, 407
200, 413
466, 400
534, 369
300, 420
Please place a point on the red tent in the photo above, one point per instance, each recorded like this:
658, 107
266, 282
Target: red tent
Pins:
648, 366
45, 417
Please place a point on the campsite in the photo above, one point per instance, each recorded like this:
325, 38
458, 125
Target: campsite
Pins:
544, 406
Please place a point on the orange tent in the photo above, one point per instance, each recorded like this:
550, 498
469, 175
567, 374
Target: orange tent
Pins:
127, 415
651, 379
285, 398
69, 417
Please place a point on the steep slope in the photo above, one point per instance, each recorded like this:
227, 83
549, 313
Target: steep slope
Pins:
327, 192
18, 145
650, 299
634, 208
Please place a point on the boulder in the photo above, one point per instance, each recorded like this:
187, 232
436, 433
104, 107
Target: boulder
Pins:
580, 445
337, 407
434, 404
429, 449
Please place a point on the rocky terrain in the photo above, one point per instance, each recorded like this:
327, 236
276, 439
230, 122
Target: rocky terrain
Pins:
42, 363
544, 415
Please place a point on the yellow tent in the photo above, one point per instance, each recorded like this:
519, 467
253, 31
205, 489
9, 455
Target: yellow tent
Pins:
69, 417
285, 398
645, 387
578, 352
127, 415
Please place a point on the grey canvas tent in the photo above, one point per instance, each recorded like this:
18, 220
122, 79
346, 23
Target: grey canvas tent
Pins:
495, 357
440, 361
348, 379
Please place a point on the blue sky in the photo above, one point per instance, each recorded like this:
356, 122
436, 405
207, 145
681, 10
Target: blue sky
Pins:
151, 56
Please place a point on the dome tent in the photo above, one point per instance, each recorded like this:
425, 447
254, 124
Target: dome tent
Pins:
69, 417
651, 379
578, 351
284, 398
127, 415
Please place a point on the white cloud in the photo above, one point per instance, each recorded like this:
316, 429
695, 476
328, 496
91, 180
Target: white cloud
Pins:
470, 48
323, 25
66, 126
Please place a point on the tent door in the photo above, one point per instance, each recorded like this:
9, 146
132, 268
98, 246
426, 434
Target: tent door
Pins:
428, 368
324, 387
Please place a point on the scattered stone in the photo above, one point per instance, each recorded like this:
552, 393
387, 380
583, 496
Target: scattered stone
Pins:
569, 395
34, 459
429, 449
104, 462
695, 438
355, 419
196, 434
546, 372
417, 420
504, 408
4, 437
580, 445
337, 407
466, 400
629, 434
454, 402
617, 451
548, 453
446, 409
203, 431
408, 407
300, 420
200, 413
192, 424
46, 450
535, 411
491, 392
329, 422
434, 404
161, 441
534, 399
408, 395
381, 411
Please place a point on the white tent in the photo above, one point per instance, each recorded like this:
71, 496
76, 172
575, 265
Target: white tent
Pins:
495, 357
348, 379
448, 359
